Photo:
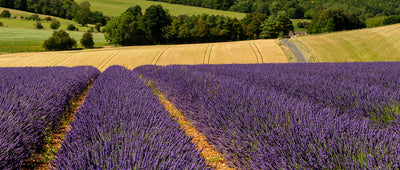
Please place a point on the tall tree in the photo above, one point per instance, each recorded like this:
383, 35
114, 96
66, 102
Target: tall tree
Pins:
127, 29
276, 25
156, 18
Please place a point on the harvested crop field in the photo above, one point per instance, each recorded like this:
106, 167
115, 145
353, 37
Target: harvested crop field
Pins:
372, 44
257, 51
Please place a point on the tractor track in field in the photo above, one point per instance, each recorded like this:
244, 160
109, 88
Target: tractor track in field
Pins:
62, 60
301, 58
159, 54
40, 160
108, 60
209, 152
257, 52
207, 54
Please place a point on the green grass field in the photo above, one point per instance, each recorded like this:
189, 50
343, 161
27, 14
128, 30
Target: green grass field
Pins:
371, 44
116, 7
29, 24
22, 23
31, 40
20, 35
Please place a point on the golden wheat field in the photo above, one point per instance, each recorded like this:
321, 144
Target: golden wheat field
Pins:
371, 44
256, 51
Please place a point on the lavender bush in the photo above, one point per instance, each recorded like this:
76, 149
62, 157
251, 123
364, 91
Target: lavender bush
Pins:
122, 125
32, 101
291, 116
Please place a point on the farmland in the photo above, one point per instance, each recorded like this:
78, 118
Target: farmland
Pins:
258, 116
291, 116
371, 44
115, 8
30, 40
257, 51
19, 35
32, 103
17, 22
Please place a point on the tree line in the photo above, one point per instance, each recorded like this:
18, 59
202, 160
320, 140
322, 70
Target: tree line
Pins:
157, 26
67, 9
305, 9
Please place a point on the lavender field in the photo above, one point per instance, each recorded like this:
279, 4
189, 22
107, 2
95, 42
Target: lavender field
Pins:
32, 101
292, 116
259, 116
122, 125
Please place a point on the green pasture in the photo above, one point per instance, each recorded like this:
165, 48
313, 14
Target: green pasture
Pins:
20, 23
116, 7
30, 40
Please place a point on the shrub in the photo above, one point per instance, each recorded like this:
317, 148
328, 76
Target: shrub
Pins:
59, 41
55, 24
47, 19
87, 40
34, 17
5, 14
39, 25
71, 27
1, 24
98, 26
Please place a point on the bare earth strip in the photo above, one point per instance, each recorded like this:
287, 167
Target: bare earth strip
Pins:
41, 161
130, 57
209, 153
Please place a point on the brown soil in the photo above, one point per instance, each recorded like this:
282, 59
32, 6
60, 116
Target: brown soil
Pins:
209, 152
41, 160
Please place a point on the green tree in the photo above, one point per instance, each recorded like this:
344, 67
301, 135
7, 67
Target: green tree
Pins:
87, 40
278, 25
156, 18
59, 41
252, 25
38, 25
98, 26
71, 27
127, 29
5, 14
55, 24
334, 19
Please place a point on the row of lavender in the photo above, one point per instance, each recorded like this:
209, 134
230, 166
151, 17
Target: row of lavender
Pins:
291, 116
122, 125
32, 101
361, 89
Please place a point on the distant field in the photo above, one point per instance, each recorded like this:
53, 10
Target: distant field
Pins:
21, 23
30, 40
372, 44
257, 51
115, 8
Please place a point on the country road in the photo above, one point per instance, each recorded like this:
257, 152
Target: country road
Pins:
297, 52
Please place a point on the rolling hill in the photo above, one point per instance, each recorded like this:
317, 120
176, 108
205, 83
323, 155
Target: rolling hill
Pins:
371, 44
115, 8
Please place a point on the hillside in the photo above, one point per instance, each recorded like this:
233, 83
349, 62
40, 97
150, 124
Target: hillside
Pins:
115, 8
20, 35
17, 22
372, 44
257, 51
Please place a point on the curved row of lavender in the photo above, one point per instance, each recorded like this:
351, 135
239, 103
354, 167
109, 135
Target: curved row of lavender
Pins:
361, 89
32, 101
265, 117
122, 125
